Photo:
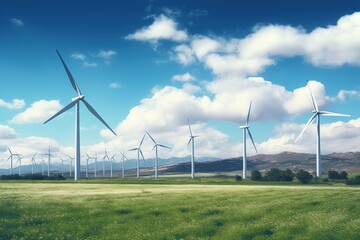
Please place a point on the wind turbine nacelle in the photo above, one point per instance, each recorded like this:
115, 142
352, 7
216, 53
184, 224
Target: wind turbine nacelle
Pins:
246, 126
78, 98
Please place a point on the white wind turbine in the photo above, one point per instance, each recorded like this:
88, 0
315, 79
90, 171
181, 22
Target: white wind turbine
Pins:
42, 165
139, 152
11, 159
32, 161
112, 159
192, 141
62, 166
245, 129
19, 160
316, 115
71, 163
103, 163
95, 170
156, 152
76, 101
87, 164
49, 155
122, 163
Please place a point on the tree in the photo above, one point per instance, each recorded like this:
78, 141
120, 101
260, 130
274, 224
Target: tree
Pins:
343, 175
276, 174
303, 176
332, 174
353, 181
256, 175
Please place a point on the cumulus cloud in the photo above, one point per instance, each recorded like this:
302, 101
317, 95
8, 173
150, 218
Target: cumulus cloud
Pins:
15, 104
7, 132
163, 28
106, 55
343, 94
186, 77
81, 57
115, 85
17, 22
38, 112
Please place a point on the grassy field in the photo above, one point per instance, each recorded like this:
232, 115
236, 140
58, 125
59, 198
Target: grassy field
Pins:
109, 210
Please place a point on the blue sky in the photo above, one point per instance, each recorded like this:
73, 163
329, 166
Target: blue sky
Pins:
150, 64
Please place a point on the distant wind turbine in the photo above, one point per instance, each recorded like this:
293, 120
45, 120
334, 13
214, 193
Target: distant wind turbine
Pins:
32, 161
76, 101
112, 159
122, 163
11, 160
246, 129
317, 114
49, 155
103, 163
192, 141
71, 164
19, 160
62, 166
87, 164
156, 152
42, 165
139, 152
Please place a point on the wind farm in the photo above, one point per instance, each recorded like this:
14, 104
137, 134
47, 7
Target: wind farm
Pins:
180, 120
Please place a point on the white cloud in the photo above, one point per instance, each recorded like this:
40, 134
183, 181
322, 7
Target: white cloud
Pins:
38, 112
184, 54
347, 133
163, 28
83, 59
186, 77
7, 132
17, 22
106, 54
115, 85
15, 104
202, 46
350, 93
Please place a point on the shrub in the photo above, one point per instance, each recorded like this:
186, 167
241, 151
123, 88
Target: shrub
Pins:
343, 175
353, 181
276, 174
332, 174
325, 180
304, 176
256, 175
238, 178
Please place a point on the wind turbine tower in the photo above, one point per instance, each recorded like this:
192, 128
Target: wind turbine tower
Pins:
122, 163
71, 164
192, 141
62, 166
49, 155
11, 160
76, 102
316, 115
245, 129
32, 161
156, 152
139, 152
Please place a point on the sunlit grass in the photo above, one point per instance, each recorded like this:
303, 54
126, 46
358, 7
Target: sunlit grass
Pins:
163, 211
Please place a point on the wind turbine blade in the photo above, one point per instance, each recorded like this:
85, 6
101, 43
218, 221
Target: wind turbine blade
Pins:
72, 80
248, 115
67, 107
327, 113
150, 136
189, 126
142, 155
251, 138
154, 147
142, 140
133, 149
87, 155
313, 100
189, 142
164, 146
34, 155
9, 150
92, 110
307, 124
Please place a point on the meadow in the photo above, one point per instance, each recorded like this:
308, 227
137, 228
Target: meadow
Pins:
115, 209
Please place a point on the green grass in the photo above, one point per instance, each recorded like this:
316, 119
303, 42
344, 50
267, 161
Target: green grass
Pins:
180, 211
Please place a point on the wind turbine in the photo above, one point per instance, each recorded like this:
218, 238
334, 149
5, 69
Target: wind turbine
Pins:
156, 152
19, 160
76, 101
316, 115
32, 161
192, 141
49, 159
122, 163
71, 163
103, 163
95, 170
139, 152
11, 159
112, 159
42, 165
87, 164
62, 166
245, 129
